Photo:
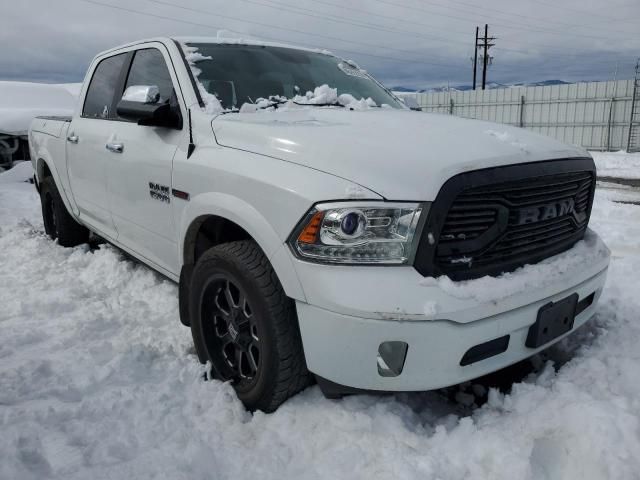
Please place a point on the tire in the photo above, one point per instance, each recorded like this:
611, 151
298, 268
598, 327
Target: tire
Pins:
245, 325
58, 224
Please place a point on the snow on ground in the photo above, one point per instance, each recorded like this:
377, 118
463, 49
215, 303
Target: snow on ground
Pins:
20, 102
617, 164
98, 380
20, 172
619, 193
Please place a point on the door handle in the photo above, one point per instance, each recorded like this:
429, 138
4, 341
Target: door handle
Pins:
115, 147
72, 138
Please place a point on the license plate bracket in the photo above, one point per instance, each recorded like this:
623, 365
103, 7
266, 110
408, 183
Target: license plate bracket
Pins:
554, 319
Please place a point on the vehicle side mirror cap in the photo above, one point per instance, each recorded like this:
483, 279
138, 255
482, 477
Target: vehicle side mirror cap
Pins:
142, 94
150, 114
141, 104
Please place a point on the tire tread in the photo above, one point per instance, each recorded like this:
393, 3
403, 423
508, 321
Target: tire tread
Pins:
292, 375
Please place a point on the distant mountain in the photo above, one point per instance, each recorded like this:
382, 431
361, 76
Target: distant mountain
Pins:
405, 90
490, 85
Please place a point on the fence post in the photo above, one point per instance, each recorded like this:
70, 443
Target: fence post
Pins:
634, 96
451, 105
611, 105
521, 111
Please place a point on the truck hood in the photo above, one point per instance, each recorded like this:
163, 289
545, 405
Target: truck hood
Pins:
400, 154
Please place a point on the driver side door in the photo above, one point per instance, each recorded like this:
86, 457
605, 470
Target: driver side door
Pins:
140, 167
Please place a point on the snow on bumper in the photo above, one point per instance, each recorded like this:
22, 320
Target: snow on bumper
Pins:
350, 311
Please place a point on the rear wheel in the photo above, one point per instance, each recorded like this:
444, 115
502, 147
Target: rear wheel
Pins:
245, 325
58, 224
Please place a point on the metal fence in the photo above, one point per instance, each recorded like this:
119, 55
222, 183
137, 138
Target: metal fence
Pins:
595, 115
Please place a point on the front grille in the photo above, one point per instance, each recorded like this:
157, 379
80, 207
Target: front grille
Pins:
492, 221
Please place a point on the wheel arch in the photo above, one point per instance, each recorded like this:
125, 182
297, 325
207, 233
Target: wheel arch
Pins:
47, 168
214, 218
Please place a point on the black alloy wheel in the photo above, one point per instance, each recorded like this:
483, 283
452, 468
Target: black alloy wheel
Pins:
243, 323
232, 330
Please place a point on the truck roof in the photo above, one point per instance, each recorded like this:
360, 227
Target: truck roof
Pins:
217, 40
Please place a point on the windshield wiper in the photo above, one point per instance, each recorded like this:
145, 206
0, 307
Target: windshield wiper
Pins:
274, 104
230, 110
330, 104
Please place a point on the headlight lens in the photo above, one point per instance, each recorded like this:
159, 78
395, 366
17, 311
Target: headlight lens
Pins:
375, 232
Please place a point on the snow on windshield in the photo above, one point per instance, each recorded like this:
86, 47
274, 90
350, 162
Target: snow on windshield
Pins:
322, 96
229, 78
325, 95
211, 103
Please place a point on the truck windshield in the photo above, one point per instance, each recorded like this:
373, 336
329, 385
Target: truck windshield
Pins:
239, 74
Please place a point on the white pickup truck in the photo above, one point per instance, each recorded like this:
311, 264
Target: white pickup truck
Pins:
317, 227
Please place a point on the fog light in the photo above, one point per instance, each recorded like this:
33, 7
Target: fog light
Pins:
391, 357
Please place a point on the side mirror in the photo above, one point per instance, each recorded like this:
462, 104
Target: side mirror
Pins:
140, 103
142, 94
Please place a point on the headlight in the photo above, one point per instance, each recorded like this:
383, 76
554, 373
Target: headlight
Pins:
349, 232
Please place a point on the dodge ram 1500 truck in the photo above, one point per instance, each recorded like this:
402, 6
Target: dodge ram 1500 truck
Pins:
318, 228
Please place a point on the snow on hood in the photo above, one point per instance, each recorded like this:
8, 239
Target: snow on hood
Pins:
20, 102
399, 154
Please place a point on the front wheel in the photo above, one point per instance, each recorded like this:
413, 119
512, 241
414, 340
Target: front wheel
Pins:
245, 325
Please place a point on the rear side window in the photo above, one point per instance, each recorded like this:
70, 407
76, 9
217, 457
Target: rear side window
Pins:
149, 68
99, 100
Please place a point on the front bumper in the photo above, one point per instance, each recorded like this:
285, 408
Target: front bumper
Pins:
351, 311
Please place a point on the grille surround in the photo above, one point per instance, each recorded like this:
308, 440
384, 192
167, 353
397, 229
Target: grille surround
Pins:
477, 205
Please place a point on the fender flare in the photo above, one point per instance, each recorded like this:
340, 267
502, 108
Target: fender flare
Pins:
44, 159
254, 223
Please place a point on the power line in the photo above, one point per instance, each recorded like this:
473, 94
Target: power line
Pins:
377, 27
513, 25
583, 12
300, 32
275, 39
195, 10
484, 8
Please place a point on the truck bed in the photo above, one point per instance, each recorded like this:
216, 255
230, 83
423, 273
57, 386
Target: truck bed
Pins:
50, 125
61, 118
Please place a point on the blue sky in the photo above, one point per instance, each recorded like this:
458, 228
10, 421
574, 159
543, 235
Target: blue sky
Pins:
413, 43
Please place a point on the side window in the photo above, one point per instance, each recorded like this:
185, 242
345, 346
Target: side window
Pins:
149, 68
102, 87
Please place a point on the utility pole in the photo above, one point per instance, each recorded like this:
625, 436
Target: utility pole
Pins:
475, 58
634, 128
485, 43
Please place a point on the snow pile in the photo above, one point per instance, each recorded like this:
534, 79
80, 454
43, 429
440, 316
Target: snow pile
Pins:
21, 172
211, 103
98, 380
325, 95
321, 96
617, 164
618, 192
20, 102
530, 277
